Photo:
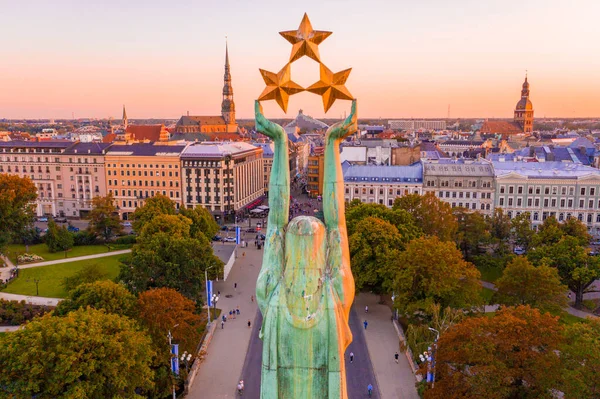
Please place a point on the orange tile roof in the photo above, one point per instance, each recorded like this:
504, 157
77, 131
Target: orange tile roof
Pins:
109, 138
148, 132
501, 127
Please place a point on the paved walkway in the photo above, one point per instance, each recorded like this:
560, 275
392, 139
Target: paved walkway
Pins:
9, 328
34, 300
395, 380
76, 259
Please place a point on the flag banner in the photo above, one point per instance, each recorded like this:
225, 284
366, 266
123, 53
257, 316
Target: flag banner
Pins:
209, 292
238, 235
175, 358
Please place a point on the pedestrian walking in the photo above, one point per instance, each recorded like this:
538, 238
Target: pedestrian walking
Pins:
243, 254
223, 318
365, 323
251, 298
233, 311
230, 314
238, 310
351, 357
370, 390
235, 286
222, 324
249, 323
396, 357
218, 293
367, 309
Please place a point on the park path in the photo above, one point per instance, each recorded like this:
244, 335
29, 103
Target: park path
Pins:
394, 380
75, 259
34, 300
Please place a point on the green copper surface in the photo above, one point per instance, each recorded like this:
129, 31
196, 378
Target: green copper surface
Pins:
305, 287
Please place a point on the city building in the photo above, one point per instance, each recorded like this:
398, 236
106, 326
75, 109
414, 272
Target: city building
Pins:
138, 171
461, 183
411, 124
315, 173
67, 175
144, 133
544, 189
267, 156
224, 178
465, 148
224, 123
377, 184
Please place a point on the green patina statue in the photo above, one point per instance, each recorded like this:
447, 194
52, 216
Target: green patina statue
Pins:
305, 287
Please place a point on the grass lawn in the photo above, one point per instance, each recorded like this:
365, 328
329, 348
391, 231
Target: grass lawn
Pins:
42, 250
490, 274
52, 276
487, 294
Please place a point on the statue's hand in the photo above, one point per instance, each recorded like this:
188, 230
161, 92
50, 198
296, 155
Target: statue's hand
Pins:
265, 126
344, 128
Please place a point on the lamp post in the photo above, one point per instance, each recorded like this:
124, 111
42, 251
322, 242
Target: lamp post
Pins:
207, 294
432, 357
185, 358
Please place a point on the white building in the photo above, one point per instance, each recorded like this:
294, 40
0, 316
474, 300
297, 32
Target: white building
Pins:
416, 125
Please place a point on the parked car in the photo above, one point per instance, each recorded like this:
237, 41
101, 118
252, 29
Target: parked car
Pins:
519, 251
229, 239
593, 253
42, 219
224, 228
73, 229
126, 224
595, 242
60, 219
217, 238
251, 230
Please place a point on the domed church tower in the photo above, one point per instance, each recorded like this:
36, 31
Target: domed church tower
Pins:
228, 106
524, 109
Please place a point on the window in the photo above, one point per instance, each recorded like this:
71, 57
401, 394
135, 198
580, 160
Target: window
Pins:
547, 190
581, 203
519, 201
592, 191
501, 189
553, 202
561, 217
582, 190
511, 190
510, 202
520, 190
591, 204
562, 203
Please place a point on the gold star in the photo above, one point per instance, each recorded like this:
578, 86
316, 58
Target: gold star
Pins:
305, 40
279, 86
331, 86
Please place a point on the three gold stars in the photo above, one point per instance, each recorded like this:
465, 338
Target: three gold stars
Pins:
305, 41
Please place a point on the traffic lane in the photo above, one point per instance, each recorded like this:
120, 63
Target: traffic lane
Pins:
359, 374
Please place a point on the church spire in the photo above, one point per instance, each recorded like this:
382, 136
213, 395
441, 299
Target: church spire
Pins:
227, 106
124, 118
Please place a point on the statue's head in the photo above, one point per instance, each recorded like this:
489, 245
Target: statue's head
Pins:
305, 261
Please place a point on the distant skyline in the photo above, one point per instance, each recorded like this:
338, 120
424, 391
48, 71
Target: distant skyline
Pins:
409, 59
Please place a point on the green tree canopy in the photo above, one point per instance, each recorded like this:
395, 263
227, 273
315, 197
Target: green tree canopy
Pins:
106, 295
433, 216
549, 232
202, 222
16, 209
103, 218
88, 274
521, 230
374, 250
154, 206
434, 271
499, 225
524, 284
58, 238
580, 357
576, 268
163, 260
86, 354
400, 218
472, 232
173, 225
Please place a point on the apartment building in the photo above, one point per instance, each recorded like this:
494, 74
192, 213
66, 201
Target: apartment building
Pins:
222, 177
138, 171
268, 151
546, 189
462, 183
377, 184
315, 172
67, 175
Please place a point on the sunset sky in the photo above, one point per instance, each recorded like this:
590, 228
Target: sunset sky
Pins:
409, 58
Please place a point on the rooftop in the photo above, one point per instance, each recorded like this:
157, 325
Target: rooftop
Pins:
384, 174
216, 150
452, 167
145, 149
544, 170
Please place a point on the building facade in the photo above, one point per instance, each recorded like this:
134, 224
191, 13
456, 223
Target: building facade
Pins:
375, 184
222, 177
461, 183
315, 172
67, 175
417, 124
523, 115
547, 189
135, 172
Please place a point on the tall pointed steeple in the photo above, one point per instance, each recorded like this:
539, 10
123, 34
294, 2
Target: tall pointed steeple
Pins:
227, 106
124, 118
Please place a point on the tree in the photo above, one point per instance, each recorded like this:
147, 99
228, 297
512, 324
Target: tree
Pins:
580, 357
434, 271
106, 295
104, 218
499, 227
176, 226
202, 222
58, 238
86, 354
162, 260
472, 231
574, 228
160, 309
400, 218
524, 284
17, 195
511, 355
154, 206
521, 230
576, 268
549, 232
432, 215
88, 274
374, 250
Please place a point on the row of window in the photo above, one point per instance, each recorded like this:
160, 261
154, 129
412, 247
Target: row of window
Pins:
460, 194
547, 190
139, 183
535, 202
142, 194
146, 166
39, 159
561, 216
371, 191
32, 169
459, 183
146, 173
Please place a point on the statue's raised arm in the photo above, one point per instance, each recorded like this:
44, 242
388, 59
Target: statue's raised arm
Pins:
333, 210
279, 208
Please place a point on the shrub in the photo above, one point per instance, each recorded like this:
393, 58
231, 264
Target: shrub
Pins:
88, 274
27, 258
127, 240
14, 312
84, 238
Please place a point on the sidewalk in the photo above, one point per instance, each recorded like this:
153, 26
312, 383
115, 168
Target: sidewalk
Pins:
218, 375
395, 380
34, 300
78, 258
